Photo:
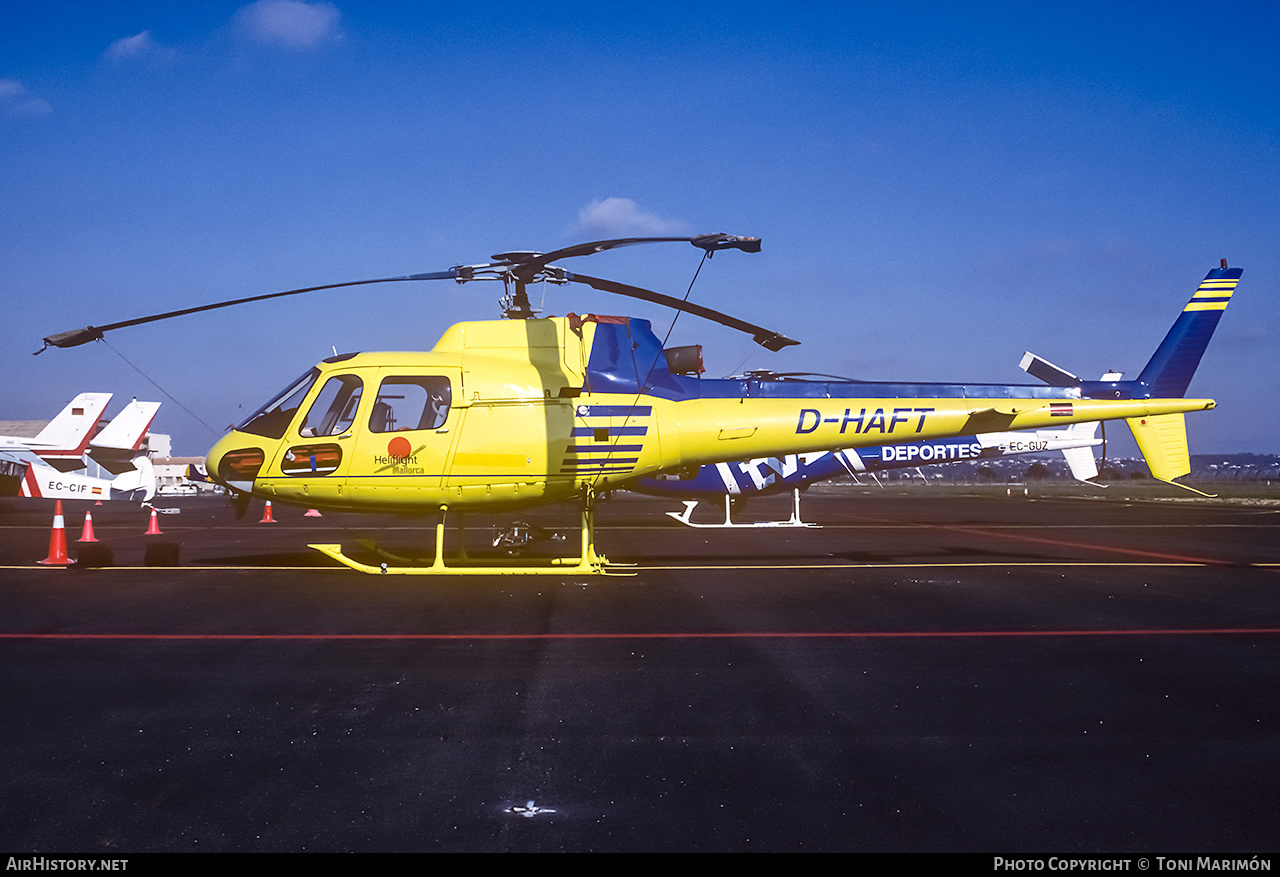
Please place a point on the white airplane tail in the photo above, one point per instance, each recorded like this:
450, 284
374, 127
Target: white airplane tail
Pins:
67, 436
117, 446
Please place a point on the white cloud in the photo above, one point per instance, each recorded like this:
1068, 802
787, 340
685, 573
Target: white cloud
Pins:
622, 217
289, 22
138, 46
17, 101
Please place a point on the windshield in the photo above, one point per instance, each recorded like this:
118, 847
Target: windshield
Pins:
272, 419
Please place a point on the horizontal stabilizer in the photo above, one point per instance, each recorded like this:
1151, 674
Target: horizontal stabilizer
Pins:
64, 462
1043, 370
1163, 441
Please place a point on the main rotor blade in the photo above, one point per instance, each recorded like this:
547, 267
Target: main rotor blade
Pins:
523, 267
76, 337
766, 338
526, 270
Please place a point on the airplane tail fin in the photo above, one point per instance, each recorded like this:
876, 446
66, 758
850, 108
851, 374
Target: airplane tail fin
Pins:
126, 431
117, 446
68, 434
1170, 369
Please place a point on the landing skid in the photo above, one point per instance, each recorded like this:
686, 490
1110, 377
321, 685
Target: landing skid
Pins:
588, 562
690, 504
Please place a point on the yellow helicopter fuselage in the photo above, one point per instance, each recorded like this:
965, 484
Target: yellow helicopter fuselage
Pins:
519, 412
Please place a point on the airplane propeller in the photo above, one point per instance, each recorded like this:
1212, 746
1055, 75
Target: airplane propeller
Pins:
519, 268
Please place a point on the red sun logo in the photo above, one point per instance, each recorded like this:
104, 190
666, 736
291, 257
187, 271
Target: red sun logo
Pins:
399, 447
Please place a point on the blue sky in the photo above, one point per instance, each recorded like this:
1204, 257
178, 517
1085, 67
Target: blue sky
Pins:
939, 186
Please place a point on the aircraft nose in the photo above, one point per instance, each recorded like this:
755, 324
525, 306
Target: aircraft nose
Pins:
234, 462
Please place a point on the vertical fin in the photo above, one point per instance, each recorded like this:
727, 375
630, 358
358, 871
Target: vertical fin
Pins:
1163, 441
69, 433
1171, 367
127, 430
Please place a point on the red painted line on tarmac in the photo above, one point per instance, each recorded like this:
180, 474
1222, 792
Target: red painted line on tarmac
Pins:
922, 634
1139, 552
1063, 543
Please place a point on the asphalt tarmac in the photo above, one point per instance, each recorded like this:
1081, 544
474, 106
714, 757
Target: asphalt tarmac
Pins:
1002, 675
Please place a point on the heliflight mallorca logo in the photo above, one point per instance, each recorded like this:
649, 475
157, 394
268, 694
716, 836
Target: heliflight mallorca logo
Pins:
401, 458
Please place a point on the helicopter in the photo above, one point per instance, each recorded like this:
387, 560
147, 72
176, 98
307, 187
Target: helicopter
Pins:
510, 413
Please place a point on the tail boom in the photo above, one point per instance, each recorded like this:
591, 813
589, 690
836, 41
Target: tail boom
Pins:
710, 431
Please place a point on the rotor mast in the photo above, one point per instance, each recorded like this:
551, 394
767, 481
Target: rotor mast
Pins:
525, 267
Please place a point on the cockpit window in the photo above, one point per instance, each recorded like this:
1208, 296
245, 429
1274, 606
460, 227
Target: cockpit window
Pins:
406, 403
272, 419
334, 410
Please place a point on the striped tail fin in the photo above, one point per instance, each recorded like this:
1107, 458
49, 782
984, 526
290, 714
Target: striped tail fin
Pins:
1169, 372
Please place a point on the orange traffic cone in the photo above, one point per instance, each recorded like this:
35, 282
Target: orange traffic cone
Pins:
266, 515
86, 535
311, 513
58, 540
153, 528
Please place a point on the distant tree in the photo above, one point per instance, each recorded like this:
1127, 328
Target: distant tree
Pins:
986, 473
1037, 472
